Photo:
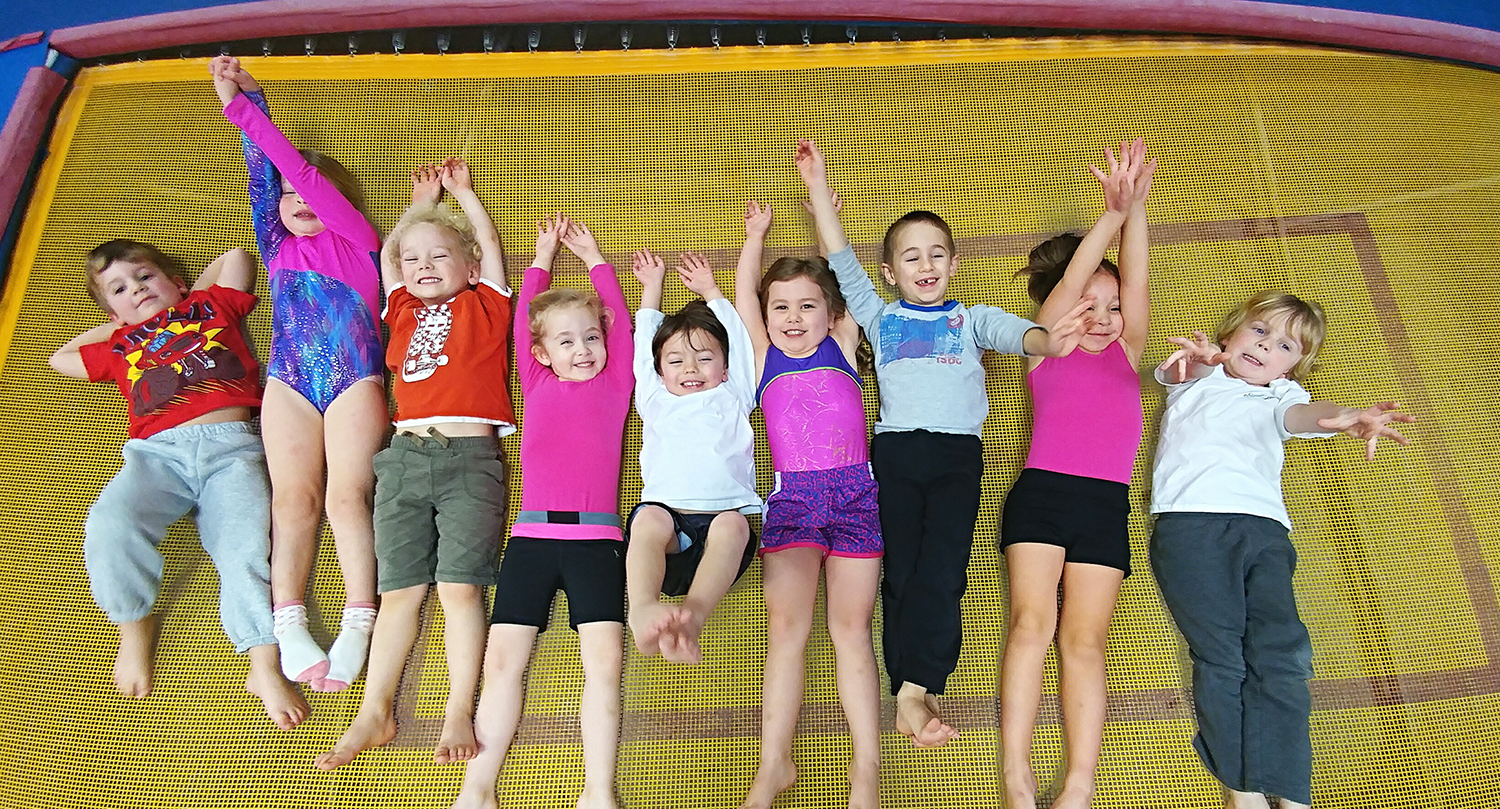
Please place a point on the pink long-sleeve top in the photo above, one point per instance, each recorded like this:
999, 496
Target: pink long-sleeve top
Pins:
572, 432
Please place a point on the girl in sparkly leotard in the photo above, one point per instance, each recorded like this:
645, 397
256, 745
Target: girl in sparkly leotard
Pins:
324, 406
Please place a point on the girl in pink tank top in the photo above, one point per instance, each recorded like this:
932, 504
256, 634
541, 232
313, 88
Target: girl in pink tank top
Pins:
1066, 518
824, 511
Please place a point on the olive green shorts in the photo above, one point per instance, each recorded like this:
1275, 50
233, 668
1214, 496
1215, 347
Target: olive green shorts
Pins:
439, 511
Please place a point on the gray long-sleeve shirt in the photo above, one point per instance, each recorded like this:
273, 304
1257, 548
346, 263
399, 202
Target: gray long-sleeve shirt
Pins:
927, 358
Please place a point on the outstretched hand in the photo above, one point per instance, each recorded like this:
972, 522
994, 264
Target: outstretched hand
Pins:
1063, 336
426, 184
810, 163
757, 219
698, 276
1198, 350
1119, 183
455, 174
1370, 424
649, 269
580, 242
1145, 170
230, 79
549, 233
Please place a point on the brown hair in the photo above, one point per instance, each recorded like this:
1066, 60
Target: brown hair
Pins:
114, 250
1305, 319
1048, 261
888, 246
557, 299
695, 317
816, 270
344, 180
438, 215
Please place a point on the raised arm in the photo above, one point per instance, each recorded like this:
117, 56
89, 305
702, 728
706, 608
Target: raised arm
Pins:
1118, 192
651, 271
814, 170
617, 333
455, 178
1368, 424
1135, 258
235, 270
426, 189
537, 279
265, 181
68, 360
747, 274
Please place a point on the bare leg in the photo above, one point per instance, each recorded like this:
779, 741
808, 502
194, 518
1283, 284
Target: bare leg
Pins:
1034, 570
651, 533
852, 585
396, 629
1288, 804
1089, 593
292, 432
602, 646
464, 628
791, 586
284, 704
353, 431
505, 657
1247, 800
718, 569
134, 659
917, 717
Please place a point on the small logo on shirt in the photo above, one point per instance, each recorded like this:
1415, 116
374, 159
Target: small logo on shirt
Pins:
424, 354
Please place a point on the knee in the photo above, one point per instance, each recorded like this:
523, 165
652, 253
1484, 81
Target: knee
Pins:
789, 625
849, 630
651, 528
296, 500
1031, 627
1082, 645
350, 502
456, 596
407, 598
505, 663
731, 525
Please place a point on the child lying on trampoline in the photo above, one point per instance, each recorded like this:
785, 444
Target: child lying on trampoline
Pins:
440, 486
191, 384
1220, 548
695, 388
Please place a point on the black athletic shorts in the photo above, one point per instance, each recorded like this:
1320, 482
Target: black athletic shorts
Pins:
590, 571
1088, 517
692, 537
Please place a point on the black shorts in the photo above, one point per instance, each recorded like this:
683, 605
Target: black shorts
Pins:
692, 537
590, 571
1088, 517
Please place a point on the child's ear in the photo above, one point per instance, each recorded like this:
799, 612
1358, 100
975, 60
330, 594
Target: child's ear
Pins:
473, 274
182, 286
541, 355
953, 267
887, 273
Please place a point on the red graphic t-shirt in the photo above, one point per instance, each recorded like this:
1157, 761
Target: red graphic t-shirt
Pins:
450, 362
189, 360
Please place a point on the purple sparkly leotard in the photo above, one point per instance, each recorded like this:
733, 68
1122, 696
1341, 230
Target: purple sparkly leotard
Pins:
825, 496
325, 288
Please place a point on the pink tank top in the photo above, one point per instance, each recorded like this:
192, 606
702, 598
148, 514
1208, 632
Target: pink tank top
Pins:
1086, 414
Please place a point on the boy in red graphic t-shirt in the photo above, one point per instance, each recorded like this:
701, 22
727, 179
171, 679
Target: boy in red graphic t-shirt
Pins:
191, 384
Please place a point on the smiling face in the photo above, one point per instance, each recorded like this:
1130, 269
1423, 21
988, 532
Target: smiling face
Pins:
1103, 318
434, 265
572, 344
922, 264
1262, 350
692, 362
296, 214
797, 316
136, 291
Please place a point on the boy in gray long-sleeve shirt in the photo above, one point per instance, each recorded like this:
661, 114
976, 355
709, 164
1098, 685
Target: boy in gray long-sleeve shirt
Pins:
927, 453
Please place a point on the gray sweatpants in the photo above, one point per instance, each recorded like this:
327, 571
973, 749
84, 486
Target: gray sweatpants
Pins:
1227, 580
219, 469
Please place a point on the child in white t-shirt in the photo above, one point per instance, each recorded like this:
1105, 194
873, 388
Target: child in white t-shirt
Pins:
1221, 550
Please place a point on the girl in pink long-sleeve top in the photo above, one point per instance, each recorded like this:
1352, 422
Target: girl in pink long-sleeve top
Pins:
573, 353
324, 406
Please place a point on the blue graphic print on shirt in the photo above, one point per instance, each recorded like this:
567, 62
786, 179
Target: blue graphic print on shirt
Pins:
907, 338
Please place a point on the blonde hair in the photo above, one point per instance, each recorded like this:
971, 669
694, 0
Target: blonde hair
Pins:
437, 215
344, 180
555, 300
1305, 320
114, 250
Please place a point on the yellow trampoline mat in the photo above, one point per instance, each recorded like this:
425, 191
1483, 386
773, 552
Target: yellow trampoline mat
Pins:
1365, 182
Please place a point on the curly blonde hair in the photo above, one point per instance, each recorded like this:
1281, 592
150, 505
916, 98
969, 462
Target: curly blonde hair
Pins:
437, 215
1305, 320
555, 300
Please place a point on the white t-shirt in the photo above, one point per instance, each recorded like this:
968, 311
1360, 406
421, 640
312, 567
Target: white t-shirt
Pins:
698, 451
1220, 450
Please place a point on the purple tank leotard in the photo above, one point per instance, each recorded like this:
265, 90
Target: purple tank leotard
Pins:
825, 496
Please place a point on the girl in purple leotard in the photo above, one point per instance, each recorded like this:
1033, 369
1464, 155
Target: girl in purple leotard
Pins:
324, 406
823, 513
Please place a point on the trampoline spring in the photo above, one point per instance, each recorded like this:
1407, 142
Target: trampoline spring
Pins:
895, 34
265, 47
942, 35
307, 46
672, 37
578, 38
185, 53
852, 32
806, 35
489, 40
760, 35
444, 39
624, 37
353, 45
533, 39
398, 42
713, 35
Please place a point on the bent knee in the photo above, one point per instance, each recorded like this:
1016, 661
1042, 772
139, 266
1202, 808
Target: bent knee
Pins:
652, 526
730, 524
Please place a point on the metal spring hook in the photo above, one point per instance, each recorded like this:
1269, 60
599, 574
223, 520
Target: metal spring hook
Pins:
444, 39
353, 45
806, 35
713, 35
578, 38
760, 35
672, 37
398, 42
851, 32
307, 46
624, 37
533, 39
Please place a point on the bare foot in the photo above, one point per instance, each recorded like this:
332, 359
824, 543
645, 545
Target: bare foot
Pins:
601, 798
773, 778
284, 703
484, 798
364, 732
864, 786
456, 743
679, 641
647, 623
134, 659
917, 717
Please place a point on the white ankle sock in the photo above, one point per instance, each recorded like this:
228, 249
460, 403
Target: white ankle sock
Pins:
346, 658
302, 660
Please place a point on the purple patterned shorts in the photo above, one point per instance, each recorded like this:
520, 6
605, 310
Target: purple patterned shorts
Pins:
833, 509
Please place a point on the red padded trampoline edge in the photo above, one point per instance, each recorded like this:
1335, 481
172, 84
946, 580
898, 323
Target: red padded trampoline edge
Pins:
25, 127
1242, 18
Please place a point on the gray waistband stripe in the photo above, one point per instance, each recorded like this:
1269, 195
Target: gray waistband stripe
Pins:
570, 518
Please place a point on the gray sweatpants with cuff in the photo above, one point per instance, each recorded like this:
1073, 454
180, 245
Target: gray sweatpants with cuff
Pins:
219, 469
